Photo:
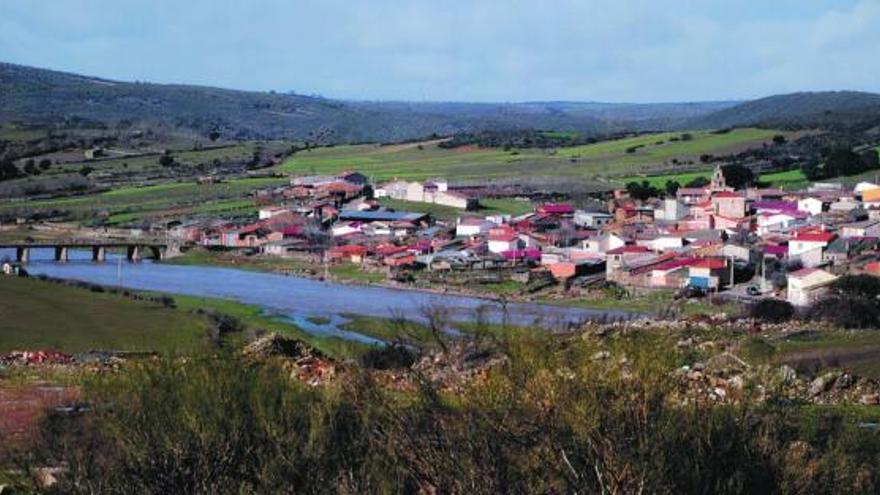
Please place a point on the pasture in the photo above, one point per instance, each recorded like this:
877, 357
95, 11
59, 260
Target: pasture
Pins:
650, 153
173, 199
36, 314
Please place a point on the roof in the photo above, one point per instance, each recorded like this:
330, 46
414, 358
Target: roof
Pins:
775, 205
675, 264
629, 249
380, 215
818, 276
710, 263
556, 208
815, 237
350, 249
691, 191
503, 236
727, 194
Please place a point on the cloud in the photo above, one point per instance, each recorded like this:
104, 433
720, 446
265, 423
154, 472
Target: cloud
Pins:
637, 50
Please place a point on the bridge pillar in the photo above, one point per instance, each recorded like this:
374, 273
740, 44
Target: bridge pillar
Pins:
134, 253
61, 253
158, 252
99, 254
22, 254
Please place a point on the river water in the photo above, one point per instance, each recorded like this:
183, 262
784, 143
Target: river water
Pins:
299, 299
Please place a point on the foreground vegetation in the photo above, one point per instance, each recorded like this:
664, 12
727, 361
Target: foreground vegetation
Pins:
551, 419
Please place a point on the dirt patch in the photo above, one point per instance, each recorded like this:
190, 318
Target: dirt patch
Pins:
813, 361
22, 408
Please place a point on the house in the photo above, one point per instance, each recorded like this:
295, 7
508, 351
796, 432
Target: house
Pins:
864, 228
691, 195
271, 211
807, 285
560, 209
603, 243
472, 226
352, 253
382, 216
847, 203
671, 274
764, 194
592, 219
811, 205
729, 204
436, 192
709, 274
616, 260
670, 210
777, 221
809, 241
500, 242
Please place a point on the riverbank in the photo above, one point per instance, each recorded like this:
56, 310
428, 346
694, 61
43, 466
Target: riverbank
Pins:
511, 291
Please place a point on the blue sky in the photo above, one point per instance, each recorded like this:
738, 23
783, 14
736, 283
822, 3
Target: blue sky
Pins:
588, 50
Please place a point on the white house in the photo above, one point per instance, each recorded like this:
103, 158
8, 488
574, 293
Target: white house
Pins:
665, 242
470, 226
602, 243
810, 205
506, 241
671, 210
774, 222
592, 219
803, 243
864, 186
342, 229
807, 285
271, 211
865, 228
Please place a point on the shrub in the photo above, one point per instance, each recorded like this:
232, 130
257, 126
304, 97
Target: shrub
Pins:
551, 420
772, 310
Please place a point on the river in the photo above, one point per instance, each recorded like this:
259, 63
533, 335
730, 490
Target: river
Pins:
299, 299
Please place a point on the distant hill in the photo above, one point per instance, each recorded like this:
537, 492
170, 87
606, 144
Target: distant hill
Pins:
39, 95
798, 110
34, 95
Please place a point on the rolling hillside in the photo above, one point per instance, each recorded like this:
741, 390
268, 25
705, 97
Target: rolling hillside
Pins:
798, 110
37, 95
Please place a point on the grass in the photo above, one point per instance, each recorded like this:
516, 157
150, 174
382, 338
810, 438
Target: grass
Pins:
488, 206
171, 200
788, 179
254, 317
650, 304
40, 314
604, 159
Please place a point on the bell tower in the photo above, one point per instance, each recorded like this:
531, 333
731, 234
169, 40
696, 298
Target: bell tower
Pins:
718, 183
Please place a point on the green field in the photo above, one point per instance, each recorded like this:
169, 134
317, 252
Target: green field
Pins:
36, 314
603, 159
176, 199
489, 206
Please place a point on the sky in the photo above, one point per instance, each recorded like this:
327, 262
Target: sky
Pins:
452, 50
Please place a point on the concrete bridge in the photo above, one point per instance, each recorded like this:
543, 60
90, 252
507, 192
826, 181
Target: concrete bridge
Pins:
134, 249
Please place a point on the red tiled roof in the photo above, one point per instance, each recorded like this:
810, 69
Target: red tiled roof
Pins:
503, 236
815, 237
629, 249
710, 263
556, 208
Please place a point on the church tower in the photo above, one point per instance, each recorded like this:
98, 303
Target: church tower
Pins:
718, 183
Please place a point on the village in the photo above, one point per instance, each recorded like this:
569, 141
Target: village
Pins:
706, 241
